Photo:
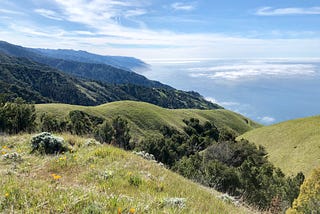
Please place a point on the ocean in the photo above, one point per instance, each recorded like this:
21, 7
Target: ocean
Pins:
266, 90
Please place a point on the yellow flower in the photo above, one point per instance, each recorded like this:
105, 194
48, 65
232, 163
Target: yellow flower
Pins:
55, 176
132, 210
4, 147
119, 210
3, 152
6, 195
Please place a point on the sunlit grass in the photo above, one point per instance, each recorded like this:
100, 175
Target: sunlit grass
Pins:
145, 118
293, 145
96, 179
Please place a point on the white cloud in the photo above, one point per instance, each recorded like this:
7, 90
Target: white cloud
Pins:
11, 12
267, 120
49, 14
254, 71
183, 6
269, 11
223, 103
101, 29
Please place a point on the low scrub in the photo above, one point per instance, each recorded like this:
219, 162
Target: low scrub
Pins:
46, 143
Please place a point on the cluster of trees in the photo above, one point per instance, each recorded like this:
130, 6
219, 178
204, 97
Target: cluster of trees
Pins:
16, 116
81, 123
212, 157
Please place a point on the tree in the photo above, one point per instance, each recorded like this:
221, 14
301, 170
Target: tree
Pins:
17, 116
105, 133
308, 200
121, 135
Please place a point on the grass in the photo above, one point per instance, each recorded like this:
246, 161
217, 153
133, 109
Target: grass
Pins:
293, 145
147, 119
96, 179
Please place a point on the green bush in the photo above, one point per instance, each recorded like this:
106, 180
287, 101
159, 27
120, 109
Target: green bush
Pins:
46, 143
17, 116
308, 200
135, 180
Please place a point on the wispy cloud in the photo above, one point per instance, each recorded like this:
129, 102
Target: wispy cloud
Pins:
267, 120
222, 103
11, 12
117, 27
269, 11
254, 71
183, 6
50, 14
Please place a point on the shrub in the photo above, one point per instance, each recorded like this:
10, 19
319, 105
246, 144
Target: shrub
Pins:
175, 202
12, 156
121, 133
17, 116
134, 180
46, 143
145, 155
308, 200
91, 142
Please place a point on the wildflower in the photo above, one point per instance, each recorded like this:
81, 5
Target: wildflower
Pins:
3, 152
119, 210
132, 210
55, 176
5, 147
6, 195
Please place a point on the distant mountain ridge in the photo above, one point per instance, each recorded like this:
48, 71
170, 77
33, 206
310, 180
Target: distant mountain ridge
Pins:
122, 62
34, 82
85, 65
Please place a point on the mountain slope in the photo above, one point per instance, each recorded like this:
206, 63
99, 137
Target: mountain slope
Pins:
292, 145
126, 63
97, 179
83, 64
39, 83
147, 119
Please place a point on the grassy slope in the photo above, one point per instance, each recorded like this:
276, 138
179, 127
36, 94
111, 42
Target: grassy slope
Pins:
28, 186
292, 145
146, 118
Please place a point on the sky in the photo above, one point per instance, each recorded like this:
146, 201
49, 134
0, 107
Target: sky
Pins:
164, 29
260, 58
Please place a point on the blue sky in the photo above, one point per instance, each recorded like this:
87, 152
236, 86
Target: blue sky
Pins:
163, 29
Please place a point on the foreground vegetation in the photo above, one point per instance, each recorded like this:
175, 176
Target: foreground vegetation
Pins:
309, 197
292, 145
93, 178
202, 151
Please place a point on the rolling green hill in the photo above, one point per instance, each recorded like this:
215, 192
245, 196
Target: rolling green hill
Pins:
146, 118
292, 145
96, 179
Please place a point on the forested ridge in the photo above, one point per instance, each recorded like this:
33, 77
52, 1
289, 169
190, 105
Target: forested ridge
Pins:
34, 82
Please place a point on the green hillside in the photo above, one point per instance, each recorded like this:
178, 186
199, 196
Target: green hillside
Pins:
146, 118
292, 145
107, 69
34, 82
96, 179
